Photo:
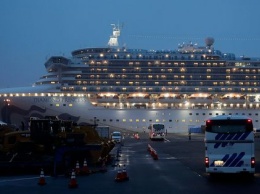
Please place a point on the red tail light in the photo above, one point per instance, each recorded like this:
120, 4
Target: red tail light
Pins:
207, 162
253, 162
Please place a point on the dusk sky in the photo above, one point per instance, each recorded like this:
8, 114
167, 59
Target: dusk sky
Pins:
33, 30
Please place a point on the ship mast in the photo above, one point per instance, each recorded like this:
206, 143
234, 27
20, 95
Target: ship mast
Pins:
113, 41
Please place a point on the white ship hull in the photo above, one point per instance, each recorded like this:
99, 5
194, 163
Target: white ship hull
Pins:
79, 109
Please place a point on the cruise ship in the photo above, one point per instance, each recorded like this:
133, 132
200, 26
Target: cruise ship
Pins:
130, 88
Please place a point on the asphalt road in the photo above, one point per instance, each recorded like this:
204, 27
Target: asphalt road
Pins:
179, 169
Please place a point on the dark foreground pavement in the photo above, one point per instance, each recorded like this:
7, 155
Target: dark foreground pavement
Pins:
179, 169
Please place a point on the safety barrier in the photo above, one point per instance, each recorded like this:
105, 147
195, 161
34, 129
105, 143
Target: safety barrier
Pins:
152, 152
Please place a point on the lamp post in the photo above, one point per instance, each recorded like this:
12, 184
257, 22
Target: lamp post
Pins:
6, 110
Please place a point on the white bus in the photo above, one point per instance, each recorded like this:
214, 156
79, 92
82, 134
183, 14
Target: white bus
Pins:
229, 145
157, 131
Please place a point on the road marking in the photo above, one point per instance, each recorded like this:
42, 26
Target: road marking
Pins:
169, 158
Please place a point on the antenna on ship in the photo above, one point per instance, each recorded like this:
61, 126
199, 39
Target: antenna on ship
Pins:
113, 41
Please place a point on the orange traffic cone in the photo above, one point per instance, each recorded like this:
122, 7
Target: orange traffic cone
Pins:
154, 154
149, 148
119, 176
85, 170
73, 182
124, 174
42, 179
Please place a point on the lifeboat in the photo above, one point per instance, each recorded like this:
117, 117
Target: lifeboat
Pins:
170, 98
233, 99
198, 98
140, 98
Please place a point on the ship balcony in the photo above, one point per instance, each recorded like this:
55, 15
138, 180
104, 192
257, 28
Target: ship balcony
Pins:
170, 99
233, 99
200, 99
107, 99
66, 79
48, 79
137, 99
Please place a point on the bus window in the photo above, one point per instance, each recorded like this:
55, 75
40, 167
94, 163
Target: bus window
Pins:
229, 126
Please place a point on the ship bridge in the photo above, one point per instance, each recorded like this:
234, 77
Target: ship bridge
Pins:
56, 62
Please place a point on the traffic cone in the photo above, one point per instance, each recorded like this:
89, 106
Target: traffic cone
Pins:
77, 169
151, 152
149, 148
124, 174
154, 154
73, 182
42, 179
119, 176
85, 170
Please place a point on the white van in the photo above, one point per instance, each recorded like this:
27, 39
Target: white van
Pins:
116, 136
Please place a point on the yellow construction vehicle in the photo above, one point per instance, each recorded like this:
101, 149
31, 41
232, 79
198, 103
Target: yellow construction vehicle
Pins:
53, 142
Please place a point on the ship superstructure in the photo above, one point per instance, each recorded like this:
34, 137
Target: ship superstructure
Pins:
129, 88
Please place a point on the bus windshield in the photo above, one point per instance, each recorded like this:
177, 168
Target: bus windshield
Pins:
158, 127
229, 126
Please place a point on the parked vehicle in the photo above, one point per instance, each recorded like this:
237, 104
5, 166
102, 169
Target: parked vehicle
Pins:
56, 144
229, 143
157, 131
257, 132
116, 136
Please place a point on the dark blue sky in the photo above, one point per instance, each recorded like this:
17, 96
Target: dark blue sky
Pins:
33, 30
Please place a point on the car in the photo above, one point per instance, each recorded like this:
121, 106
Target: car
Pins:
257, 132
116, 136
